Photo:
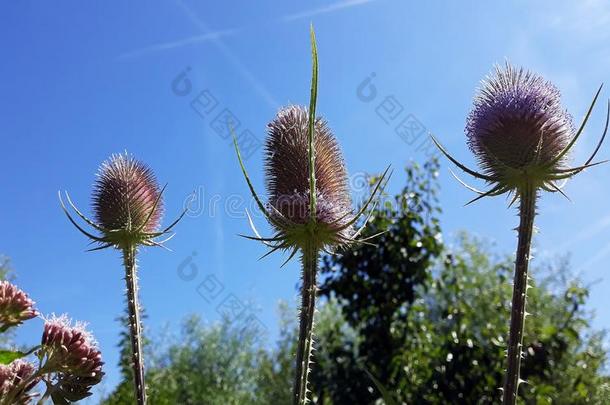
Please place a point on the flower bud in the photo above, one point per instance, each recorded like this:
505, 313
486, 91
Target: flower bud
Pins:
15, 306
12, 377
73, 353
125, 195
287, 173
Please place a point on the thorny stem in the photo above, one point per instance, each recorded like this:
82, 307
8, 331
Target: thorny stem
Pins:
527, 212
308, 303
135, 327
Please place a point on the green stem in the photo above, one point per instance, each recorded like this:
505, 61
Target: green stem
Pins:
527, 212
308, 304
131, 279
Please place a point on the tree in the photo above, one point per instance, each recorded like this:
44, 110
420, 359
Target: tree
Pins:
123, 393
206, 364
376, 284
430, 322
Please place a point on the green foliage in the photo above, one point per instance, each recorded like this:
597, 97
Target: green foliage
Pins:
7, 356
124, 392
276, 367
458, 328
427, 321
215, 364
6, 273
431, 325
376, 284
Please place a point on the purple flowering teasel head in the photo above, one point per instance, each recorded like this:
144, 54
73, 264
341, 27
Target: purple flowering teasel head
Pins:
309, 203
127, 204
126, 195
521, 134
301, 219
287, 174
517, 123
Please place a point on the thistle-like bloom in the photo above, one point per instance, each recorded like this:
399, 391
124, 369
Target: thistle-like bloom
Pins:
309, 205
127, 205
517, 124
323, 220
520, 133
521, 136
72, 352
288, 183
16, 382
127, 195
15, 306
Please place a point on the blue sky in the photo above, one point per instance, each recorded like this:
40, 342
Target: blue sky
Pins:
82, 81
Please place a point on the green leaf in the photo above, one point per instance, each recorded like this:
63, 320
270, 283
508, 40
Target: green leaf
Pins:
312, 123
7, 356
385, 394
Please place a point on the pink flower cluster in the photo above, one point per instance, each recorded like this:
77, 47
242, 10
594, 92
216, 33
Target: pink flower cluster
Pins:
71, 349
16, 381
15, 306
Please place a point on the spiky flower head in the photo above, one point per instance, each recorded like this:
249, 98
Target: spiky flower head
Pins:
15, 306
287, 175
72, 352
518, 125
127, 205
521, 135
309, 203
127, 196
13, 383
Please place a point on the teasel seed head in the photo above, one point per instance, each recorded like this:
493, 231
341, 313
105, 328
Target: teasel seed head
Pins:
15, 306
521, 135
126, 192
12, 377
127, 205
287, 174
309, 203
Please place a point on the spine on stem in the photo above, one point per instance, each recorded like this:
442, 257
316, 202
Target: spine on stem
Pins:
527, 212
135, 328
308, 303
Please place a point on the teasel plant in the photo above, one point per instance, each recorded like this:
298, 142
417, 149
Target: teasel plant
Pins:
128, 206
521, 137
309, 205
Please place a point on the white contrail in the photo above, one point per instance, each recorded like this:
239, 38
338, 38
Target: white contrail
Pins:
325, 9
589, 232
210, 36
258, 86
605, 251
215, 37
